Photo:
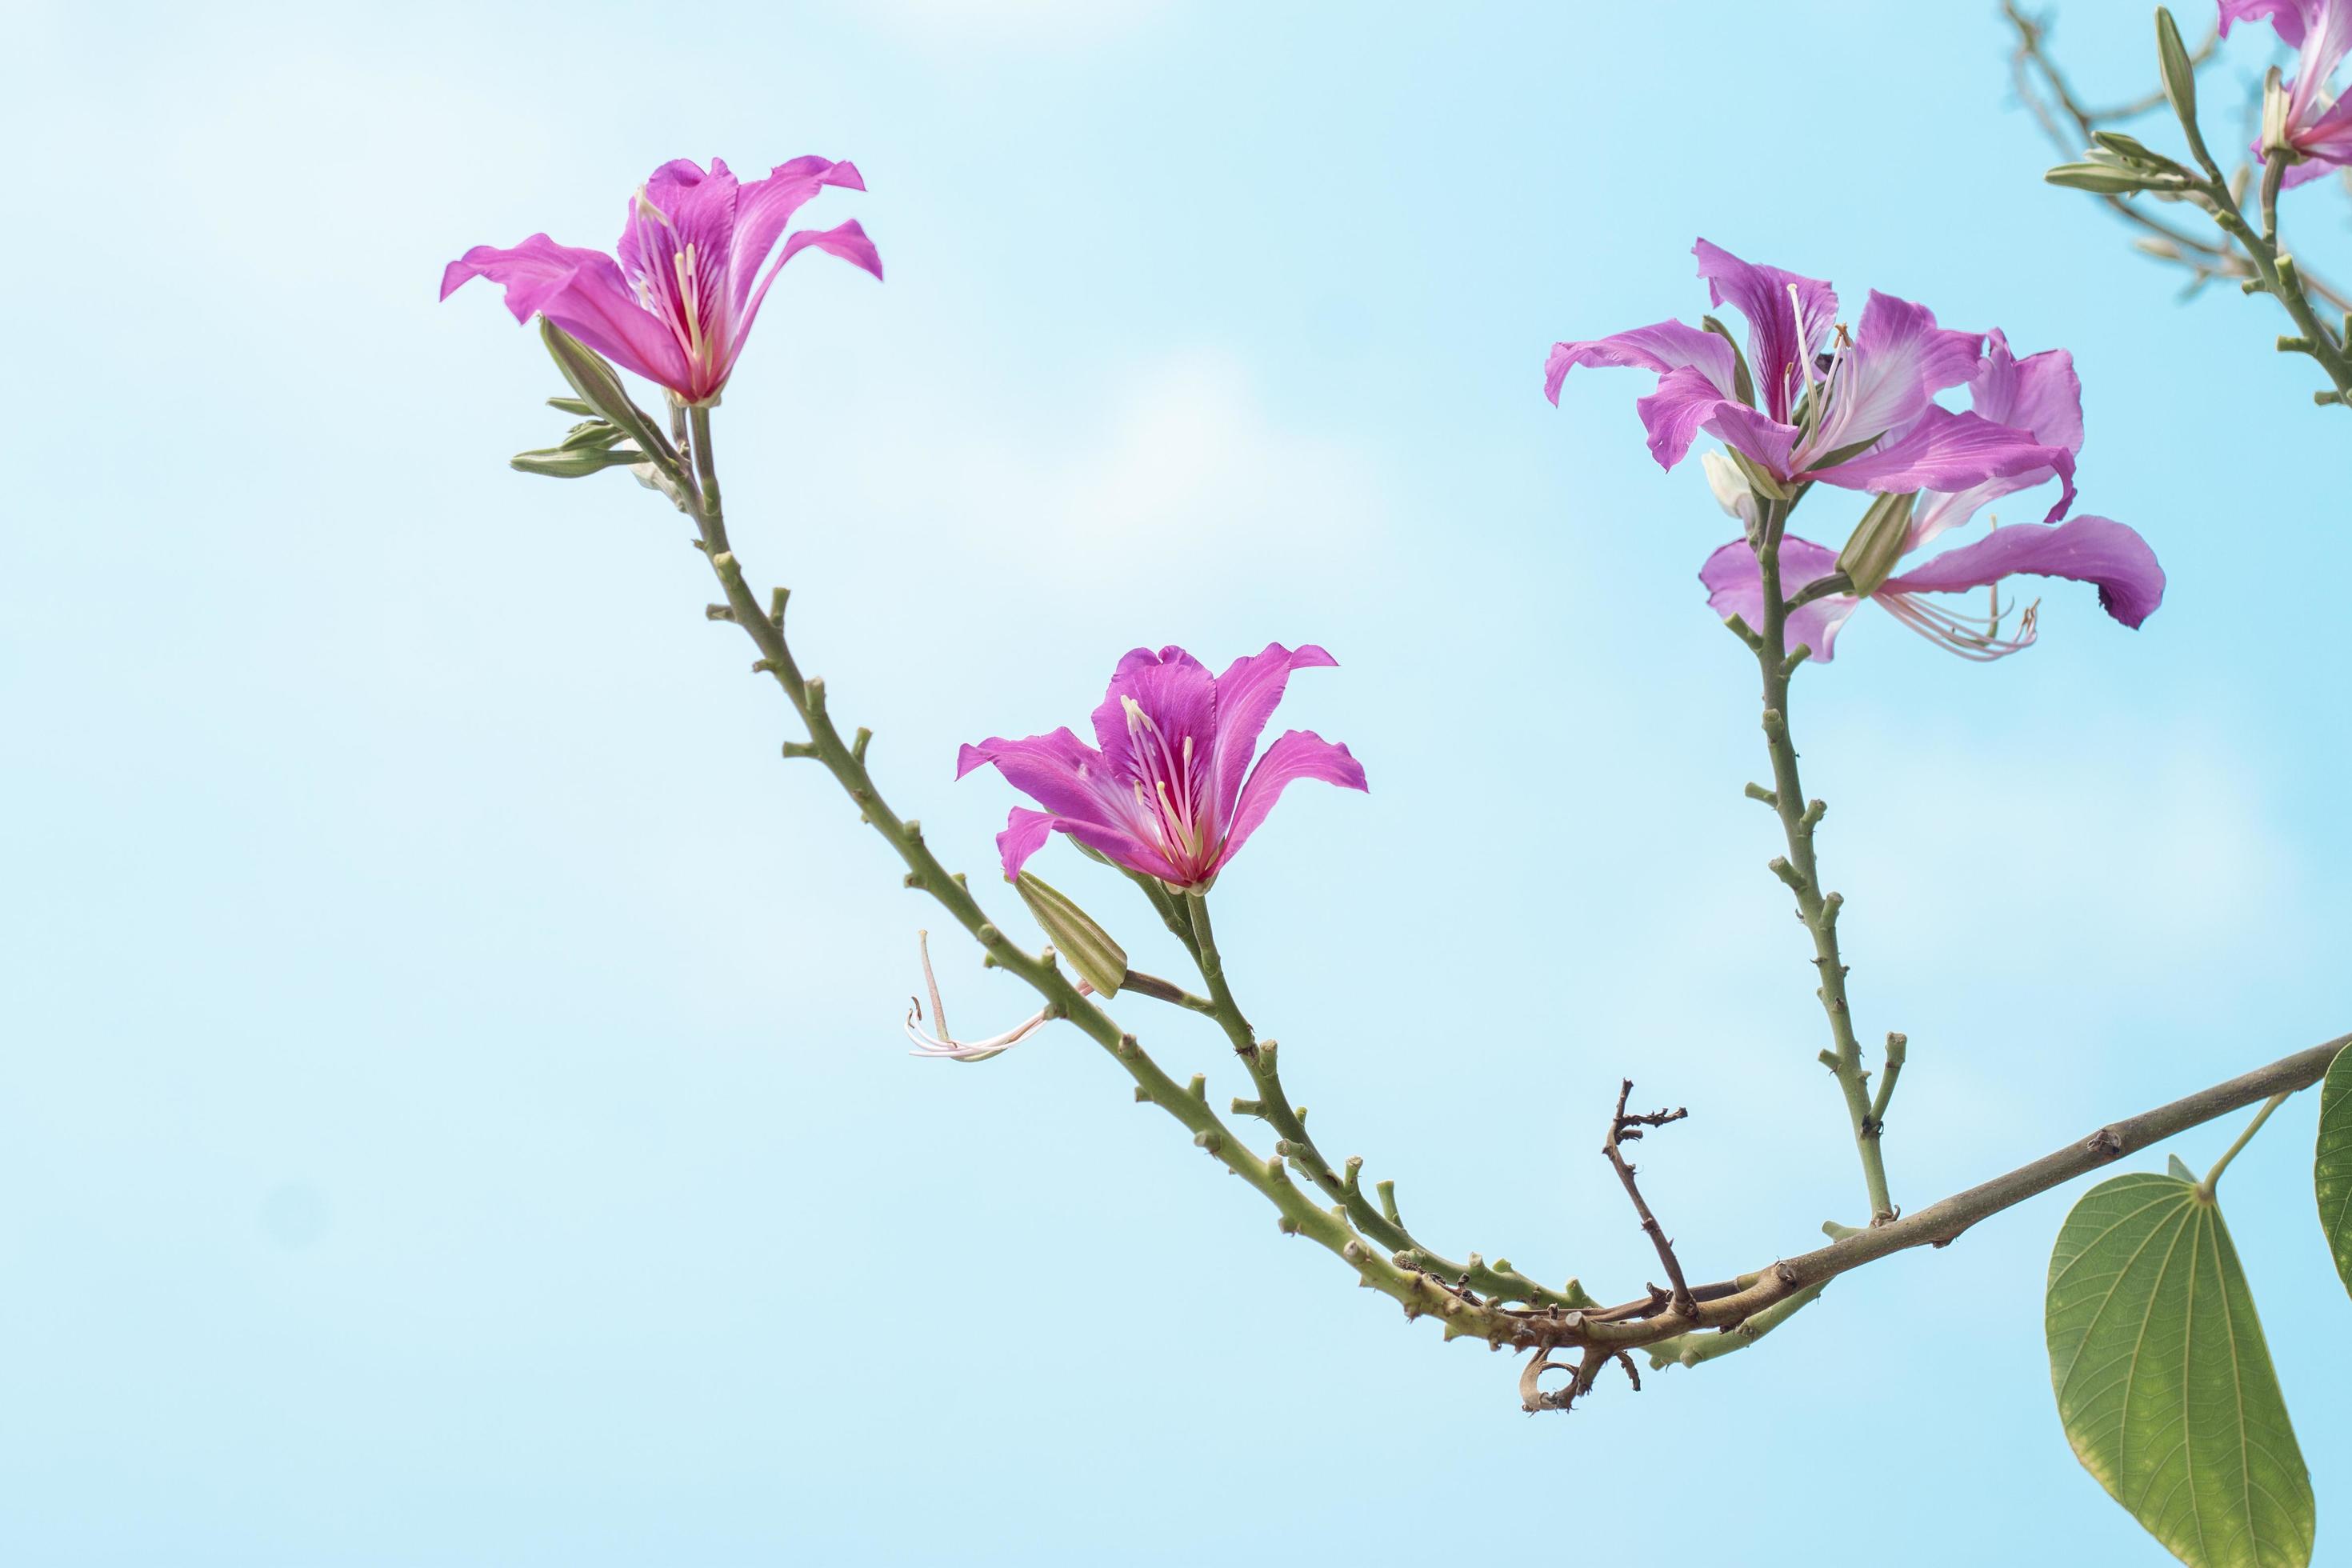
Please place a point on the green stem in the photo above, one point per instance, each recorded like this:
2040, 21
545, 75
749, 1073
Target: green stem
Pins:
2275, 273
1801, 871
1297, 1212
1167, 991
1377, 1220
1692, 1350
2213, 1177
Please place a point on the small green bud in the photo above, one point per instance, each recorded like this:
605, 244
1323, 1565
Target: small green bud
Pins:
2103, 179
557, 463
590, 433
2131, 149
1100, 961
1869, 557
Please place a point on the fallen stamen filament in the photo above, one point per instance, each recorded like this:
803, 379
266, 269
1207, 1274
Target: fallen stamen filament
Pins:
945, 1047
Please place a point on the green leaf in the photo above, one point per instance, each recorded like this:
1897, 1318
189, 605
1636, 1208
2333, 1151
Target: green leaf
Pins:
2163, 1382
2172, 1163
2331, 1168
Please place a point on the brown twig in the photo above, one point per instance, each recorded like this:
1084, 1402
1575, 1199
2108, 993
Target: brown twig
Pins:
1624, 1128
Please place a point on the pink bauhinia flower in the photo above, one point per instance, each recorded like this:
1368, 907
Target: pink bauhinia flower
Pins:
1168, 790
2039, 394
1810, 403
677, 304
2318, 125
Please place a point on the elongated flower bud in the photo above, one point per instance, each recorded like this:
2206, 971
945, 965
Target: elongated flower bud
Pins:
600, 387
576, 462
1098, 960
2180, 75
1869, 557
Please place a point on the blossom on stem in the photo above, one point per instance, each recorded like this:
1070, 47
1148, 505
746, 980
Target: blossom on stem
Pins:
1855, 410
679, 302
2318, 125
2040, 395
1168, 790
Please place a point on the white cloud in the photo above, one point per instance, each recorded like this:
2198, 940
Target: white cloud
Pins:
1183, 471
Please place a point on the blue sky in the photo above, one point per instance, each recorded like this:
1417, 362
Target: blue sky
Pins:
454, 1110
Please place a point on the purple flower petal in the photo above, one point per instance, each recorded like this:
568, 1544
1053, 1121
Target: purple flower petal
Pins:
2287, 16
1674, 414
1298, 754
1669, 345
1735, 586
2086, 549
1948, 451
1775, 346
845, 240
2040, 395
764, 208
1174, 696
1899, 361
1772, 444
1059, 772
1247, 695
1026, 832
583, 293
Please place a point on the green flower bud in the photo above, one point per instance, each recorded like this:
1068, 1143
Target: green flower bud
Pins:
589, 433
576, 462
600, 387
2103, 179
2180, 75
1098, 960
1869, 557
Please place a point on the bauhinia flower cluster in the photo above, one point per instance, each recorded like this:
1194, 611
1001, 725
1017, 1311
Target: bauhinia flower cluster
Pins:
1812, 402
1174, 783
